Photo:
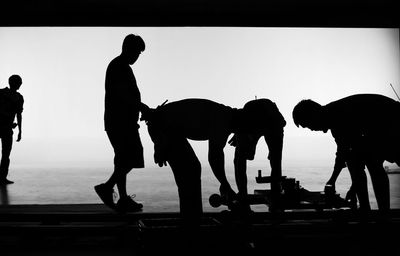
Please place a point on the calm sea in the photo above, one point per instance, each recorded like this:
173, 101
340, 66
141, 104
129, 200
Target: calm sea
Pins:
154, 187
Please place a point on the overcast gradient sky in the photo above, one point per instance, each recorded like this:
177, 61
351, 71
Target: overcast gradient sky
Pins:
63, 73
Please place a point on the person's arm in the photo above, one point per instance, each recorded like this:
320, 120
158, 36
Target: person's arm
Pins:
19, 118
339, 165
19, 123
330, 186
340, 161
275, 147
240, 163
216, 158
157, 135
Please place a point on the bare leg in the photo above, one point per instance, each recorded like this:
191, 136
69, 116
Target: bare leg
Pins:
187, 172
359, 182
6, 140
380, 183
118, 178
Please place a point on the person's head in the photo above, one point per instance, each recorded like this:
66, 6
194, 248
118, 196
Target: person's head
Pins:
260, 117
15, 82
309, 114
132, 46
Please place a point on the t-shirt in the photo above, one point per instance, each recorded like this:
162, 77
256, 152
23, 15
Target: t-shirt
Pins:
122, 97
364, 121
11, 103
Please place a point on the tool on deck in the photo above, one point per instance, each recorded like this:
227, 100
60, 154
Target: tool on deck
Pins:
291, 197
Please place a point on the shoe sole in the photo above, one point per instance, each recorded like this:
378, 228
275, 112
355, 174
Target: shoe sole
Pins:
127, 211
119, 210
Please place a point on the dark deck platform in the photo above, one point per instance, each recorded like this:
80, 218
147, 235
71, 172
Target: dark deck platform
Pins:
95, 229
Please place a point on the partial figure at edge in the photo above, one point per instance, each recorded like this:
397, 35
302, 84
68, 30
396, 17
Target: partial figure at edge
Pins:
11, 106
364, 138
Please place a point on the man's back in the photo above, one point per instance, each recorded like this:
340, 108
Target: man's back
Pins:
197, 119
367, 121
370, 114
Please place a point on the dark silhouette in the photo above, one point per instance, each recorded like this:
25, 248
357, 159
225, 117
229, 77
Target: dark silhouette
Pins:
11, 106
366, 130
258, 118
172, 124
4, 195
122, 102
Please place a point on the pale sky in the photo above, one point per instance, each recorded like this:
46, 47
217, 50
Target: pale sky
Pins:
63, 73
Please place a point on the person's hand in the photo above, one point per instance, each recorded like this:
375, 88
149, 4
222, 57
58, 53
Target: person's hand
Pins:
19, 137
351, 195
159, 159
330, 189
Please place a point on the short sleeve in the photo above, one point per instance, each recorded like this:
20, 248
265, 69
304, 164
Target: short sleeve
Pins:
20, 104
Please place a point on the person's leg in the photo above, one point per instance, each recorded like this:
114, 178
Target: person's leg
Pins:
6, 140
359, 183
125, 202
131, 154
118, 177
380, 183
3, 160
121, 185
106, 190
187, 172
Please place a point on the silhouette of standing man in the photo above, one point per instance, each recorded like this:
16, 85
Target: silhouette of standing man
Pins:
366, 130
122, 102
11, 105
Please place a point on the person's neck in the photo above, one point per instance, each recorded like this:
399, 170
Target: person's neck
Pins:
124, 58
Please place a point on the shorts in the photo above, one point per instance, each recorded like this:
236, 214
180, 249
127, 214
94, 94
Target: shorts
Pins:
128, 148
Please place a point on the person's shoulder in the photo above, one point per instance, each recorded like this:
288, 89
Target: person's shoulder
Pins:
365, 101
200, 102
117, 65
114, 63
20, 97
4, 91
117, 61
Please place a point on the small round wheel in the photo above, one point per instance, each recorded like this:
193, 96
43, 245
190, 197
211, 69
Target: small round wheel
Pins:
215, 200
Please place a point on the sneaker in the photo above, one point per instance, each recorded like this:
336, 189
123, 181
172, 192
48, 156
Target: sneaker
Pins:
127, 204
6, 182
106, 194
